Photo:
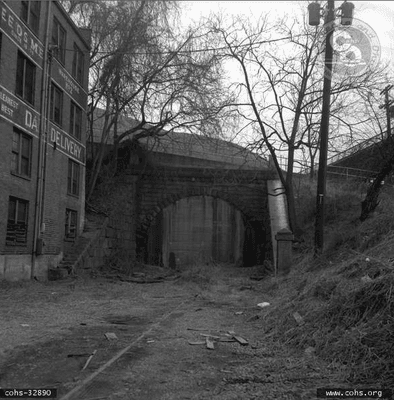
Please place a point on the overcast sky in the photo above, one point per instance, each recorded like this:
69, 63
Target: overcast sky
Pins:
379, 15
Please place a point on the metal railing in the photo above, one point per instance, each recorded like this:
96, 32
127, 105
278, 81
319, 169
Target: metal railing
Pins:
349, 172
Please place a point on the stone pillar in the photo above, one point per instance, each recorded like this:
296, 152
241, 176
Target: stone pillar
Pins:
284, 239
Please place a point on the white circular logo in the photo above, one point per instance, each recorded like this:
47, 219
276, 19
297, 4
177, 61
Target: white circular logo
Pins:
382, 15
356, 48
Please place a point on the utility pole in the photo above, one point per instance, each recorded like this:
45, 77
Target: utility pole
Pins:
386, 105
314, 20
324, 126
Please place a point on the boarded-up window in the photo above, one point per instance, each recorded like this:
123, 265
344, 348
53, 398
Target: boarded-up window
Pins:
17, 222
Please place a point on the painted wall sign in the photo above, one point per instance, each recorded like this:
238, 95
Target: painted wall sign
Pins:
64, 79
18, 113
15, 110
66, 143
17, 31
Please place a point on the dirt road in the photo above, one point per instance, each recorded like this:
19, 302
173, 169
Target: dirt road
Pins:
168, 340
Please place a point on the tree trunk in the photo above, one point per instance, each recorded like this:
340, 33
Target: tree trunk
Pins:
371, 200
96, 165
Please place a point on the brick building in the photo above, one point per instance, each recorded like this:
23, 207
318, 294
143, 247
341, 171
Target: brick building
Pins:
44, 62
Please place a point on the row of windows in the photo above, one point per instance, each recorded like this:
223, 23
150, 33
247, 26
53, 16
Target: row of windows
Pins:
56, 112
22, 158
17, 222
26, 70
30, 14
25, 88
59, 41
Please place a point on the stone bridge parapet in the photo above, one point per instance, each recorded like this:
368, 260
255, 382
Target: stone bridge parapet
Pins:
157, 188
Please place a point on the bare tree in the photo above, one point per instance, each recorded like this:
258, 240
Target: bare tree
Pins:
145, 69
280, 90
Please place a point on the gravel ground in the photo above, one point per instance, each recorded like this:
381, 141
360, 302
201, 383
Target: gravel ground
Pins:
49, 330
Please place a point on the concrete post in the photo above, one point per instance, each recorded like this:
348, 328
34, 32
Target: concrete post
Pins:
284, 239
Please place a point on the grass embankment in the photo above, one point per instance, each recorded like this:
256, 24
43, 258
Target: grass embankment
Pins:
346, 297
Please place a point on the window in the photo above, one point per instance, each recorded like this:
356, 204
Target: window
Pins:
21, 153
56, 112
71, 224
17, 222
78, 62
30, 14
59, 41
73, 178
25, 78
75, 120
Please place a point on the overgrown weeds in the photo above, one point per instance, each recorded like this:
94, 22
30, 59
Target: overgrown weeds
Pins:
346, 296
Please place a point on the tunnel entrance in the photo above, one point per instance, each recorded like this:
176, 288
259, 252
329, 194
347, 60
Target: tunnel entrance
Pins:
255, 244
199, 230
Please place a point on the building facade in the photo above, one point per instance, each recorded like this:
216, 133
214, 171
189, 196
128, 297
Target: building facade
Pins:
44, 62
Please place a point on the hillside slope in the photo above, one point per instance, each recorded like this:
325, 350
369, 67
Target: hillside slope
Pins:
341, 306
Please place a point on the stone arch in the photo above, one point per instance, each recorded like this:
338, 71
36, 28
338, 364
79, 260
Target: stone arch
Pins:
253, 224
170, 199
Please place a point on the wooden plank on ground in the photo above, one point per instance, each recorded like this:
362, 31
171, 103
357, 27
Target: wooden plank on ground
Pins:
241, 340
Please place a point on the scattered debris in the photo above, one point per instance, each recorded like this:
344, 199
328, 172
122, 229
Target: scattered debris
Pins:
238, 338
263, 304
110, 336
210, 336
254, 318
25, 325
241, 340
89, 359
196, 343
298, 318
227, 339
209, 343
238, 312
366, 279
210, 340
